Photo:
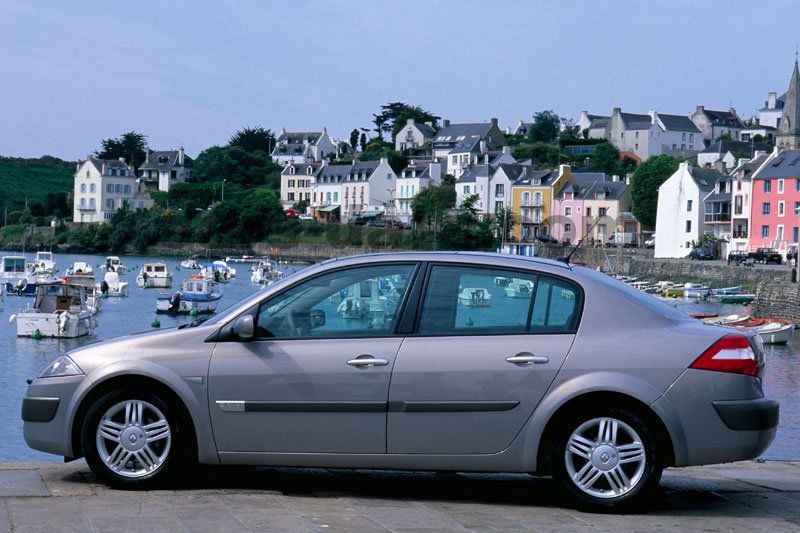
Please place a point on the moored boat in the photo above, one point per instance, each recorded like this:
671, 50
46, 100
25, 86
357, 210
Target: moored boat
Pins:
728, 320
475, 297
190, 264
265, 273
735, 298
113, 264
519, 288
80, 267
44, 263
154, 276
113, 286
14, 268
196, 294
94, 300
59, 310
775, 332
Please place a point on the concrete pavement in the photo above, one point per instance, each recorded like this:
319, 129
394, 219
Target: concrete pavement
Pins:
744, 496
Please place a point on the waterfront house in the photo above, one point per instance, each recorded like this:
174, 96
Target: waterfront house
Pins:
775, 205
717, 212
770, 115
741, 199
302, 146
712, 124
104, 185
532, 198
450, 135
418, 175
765, 133
326, 192
368, 189
680, 215
296, 182
649, 134
729, 152
163, 168
585, 121
413, 135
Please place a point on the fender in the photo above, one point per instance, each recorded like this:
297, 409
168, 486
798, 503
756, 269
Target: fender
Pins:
571, 388
198, 408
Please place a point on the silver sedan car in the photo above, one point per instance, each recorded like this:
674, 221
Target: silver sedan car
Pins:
420, 361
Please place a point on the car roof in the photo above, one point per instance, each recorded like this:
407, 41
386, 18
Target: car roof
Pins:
455, 256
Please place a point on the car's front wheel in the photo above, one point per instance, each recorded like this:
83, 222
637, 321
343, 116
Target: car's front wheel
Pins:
132, 439
606, 457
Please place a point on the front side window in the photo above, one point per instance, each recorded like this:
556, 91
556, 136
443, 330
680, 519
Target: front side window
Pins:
462, 300
357, 302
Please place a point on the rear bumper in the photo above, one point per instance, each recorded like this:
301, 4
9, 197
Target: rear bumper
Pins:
748, 415
706, 429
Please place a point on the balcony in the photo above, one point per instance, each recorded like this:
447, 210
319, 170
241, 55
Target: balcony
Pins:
717, 218
84, 207
531, 203
739, 235
530, 220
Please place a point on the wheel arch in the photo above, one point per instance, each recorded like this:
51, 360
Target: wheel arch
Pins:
661, 433
117, 382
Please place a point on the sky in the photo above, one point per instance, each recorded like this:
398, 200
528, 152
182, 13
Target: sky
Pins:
193, 72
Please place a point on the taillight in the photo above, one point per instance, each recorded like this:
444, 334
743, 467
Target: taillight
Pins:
732, 353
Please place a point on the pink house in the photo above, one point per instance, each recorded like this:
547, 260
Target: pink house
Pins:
569, 209
776, 203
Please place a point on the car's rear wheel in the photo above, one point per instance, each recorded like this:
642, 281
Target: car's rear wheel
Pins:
132, 439
606, 457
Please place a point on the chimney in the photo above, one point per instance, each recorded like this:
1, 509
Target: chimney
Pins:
181, 155
89, 157
700, 109
759, 152
283, 130
410, 122
616, 111
628, 177
493, 121
486, 159
122, 160
507, 150
615, 178
653, 116
483, 147
772, 99
445, 122
104, 169
384, 160
147, 155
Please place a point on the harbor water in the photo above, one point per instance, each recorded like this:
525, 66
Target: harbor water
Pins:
23, 358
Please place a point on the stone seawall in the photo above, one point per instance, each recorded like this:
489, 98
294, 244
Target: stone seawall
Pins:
312, 252
685, 270
778, 299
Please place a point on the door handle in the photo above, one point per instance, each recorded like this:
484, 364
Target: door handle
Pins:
367, 361
527, 359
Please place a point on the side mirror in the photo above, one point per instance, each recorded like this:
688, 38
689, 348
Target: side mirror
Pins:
316, 318
244, 328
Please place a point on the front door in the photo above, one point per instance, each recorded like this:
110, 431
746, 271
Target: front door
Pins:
489, 344
316, 379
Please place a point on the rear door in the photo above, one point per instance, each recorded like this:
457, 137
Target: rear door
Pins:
488, 344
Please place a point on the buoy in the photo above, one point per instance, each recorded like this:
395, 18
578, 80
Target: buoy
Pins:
193, 312
36, 335
156, 323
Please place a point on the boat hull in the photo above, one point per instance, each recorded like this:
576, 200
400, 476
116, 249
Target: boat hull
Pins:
52, 325
154, 282
186, 306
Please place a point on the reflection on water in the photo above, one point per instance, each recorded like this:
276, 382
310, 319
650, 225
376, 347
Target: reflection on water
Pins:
23, 358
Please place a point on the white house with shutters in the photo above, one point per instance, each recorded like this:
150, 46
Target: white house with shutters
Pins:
104, 185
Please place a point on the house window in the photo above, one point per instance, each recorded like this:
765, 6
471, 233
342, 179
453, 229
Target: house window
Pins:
794, 234
290, 197
568, 211
688, 205
110, 203
683, 136
601, 229
335, 196
466, 189
87, 173
765, 232
567, 227
83, 187
588, 211
110, 188
127, 189
499, 189
780, 209
691, 137
601, 211
767, 185
118, 189
92, 203
688, 226
797, 185
674, 146
498, 205
765, 208
683, 147
290, 183
780, 186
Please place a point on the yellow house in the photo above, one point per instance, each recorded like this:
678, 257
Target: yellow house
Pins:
532, 201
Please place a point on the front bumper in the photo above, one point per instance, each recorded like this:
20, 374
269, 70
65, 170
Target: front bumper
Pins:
714, 417
46, 416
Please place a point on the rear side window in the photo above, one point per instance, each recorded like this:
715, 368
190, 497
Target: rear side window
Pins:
462, 300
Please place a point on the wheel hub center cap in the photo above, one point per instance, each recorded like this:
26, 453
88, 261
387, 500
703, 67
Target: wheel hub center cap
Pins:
133, 439
605, 457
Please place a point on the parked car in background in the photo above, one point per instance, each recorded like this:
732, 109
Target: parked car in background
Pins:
497, 363
547, 239
702, 253
305, 216
766, 256
737, 257
625, 240
650, 242
291, 213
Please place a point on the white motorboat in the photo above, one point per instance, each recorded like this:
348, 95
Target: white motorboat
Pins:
94, 300
265, 273
59, 310
113, 286
216, 273
224, 265
80, 267
27, 286
190, 264
44, 263
353, 308
519, 288
113, 264
775, 332
196, 294
154, 276
14, 268
475, 297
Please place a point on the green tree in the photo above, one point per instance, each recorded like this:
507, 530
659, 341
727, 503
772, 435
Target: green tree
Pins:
252, 139
354, 139
467, 231
605, 158
261, 211
131, 146
363, 141
644, 187
723, 137
55, 203
432, 203
236, 165
545, 126
394, 115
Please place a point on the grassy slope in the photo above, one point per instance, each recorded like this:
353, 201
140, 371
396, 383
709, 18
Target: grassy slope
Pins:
33, 178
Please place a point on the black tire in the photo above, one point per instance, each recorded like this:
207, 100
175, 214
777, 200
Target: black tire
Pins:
637, 498
179, 455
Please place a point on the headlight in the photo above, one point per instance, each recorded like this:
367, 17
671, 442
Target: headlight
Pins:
60, 367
